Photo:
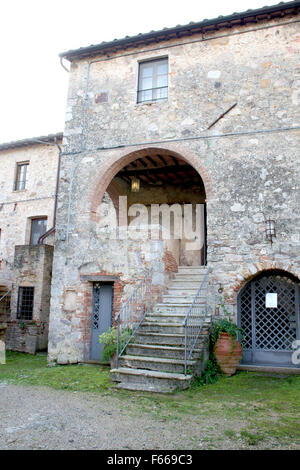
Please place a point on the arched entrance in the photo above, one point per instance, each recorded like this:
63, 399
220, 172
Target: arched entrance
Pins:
268, 312
164, 178
167, 193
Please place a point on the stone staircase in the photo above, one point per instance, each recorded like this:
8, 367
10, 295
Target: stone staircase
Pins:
154, 360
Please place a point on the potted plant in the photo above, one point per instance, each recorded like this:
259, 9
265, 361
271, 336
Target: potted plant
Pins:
226, 347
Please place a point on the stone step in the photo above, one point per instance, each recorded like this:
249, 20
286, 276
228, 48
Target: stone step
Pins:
150, 380
136, 387
170, 316
161, 327
181, 299
184, 291
173, 308
155, 363
165, 338
179, 277
199, 267
150, 350
190, 284
192, 269
152, 326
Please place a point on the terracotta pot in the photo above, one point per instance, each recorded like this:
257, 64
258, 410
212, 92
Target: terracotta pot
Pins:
228, 353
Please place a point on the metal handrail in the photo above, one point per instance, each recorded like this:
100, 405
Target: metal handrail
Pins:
6, 293
192, 327
7, 304
132, 313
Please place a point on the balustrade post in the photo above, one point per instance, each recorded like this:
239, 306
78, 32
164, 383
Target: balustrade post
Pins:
118, 336
185, 349
133, 312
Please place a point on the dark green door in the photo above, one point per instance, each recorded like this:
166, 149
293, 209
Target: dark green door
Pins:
101, 316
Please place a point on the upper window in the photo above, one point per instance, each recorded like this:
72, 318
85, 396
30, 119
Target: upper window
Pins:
21, 176
153, 81
38, 228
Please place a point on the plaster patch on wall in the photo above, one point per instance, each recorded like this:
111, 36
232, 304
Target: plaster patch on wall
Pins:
70, 300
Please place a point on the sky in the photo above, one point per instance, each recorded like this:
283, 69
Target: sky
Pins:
33, 85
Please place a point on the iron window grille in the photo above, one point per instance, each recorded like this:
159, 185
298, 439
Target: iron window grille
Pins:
25, 303
153, 81
21, 176
38, 228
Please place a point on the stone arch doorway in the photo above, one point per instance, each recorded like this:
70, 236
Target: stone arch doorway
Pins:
268, 312
164, 178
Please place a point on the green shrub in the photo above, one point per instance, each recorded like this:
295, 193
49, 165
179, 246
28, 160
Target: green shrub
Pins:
109, 339
210, 373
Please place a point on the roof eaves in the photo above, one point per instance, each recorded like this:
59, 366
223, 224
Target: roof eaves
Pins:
190, 28
51, 138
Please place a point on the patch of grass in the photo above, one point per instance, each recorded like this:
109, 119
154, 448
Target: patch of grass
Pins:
248, 438
251, 439
210, 374
231, 434
264, 407
26, 369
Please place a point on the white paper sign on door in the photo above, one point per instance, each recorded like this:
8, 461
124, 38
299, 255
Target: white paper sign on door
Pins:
271, 300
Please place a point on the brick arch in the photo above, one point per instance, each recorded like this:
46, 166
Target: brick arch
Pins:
113, 190
250, 273
115, 161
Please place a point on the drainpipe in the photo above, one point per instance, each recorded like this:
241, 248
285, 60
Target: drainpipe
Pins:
63, 66
52, 229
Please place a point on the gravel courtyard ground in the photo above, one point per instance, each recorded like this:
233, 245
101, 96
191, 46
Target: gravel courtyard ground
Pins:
41, 418
76, 407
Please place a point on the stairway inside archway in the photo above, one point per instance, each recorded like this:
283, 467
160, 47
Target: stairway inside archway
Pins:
154, 360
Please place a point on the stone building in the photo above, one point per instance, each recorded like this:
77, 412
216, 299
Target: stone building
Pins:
207, 116
206, 113
28, 170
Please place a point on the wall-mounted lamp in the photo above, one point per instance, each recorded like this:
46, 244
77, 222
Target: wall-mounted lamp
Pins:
270, 229
135, 185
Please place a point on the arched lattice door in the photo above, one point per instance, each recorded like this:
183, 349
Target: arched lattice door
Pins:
268, 312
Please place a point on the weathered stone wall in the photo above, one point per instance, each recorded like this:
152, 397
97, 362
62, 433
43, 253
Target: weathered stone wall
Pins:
17, 207
33, 268
95, 258
253, 69
249, 160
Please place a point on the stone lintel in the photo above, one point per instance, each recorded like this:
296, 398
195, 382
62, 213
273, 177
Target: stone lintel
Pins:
98, 278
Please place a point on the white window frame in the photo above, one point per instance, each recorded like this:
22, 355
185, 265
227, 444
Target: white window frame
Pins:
21, 184
34, 219
146, 95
